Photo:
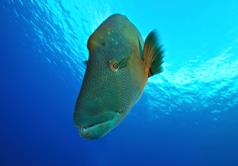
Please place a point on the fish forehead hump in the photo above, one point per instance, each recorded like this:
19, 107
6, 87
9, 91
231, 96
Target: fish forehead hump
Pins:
116, 36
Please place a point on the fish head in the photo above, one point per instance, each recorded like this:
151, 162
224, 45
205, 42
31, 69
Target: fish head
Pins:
109, 87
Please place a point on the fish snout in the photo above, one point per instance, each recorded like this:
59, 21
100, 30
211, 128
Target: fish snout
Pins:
104, 122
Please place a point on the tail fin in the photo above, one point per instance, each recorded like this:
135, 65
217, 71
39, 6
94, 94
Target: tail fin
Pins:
153, 54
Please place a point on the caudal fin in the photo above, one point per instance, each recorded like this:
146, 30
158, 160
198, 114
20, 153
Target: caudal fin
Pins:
153, 54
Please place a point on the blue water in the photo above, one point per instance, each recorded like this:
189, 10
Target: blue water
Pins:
187, 116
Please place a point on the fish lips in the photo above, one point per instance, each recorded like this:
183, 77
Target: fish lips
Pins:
99, 129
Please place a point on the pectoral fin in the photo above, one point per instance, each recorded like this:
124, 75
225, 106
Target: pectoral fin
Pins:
153, 54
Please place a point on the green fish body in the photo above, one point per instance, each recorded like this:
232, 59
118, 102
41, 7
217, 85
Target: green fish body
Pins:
117, 70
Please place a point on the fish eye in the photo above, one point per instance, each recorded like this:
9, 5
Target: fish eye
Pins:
113, 64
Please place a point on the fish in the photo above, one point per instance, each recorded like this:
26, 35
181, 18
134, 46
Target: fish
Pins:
117, 70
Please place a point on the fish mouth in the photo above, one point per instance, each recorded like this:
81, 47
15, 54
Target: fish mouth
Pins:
99, 129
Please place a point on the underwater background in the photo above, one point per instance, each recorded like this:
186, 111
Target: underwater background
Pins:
187, 116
